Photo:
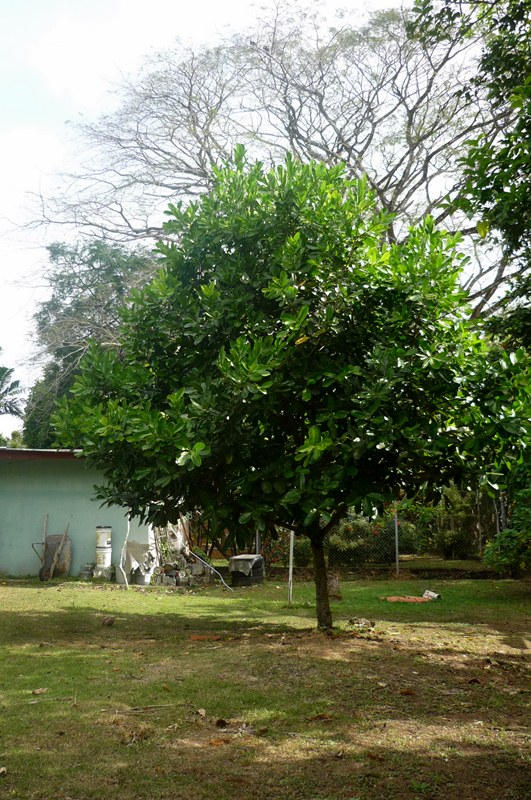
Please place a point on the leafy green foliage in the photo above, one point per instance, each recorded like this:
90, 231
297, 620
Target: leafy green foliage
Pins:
287, 363
496, 168
89, 283
302, 552
56, 382
9, 393
346, 552
349, 545
510, 550
454, 537
275, 547
512, 322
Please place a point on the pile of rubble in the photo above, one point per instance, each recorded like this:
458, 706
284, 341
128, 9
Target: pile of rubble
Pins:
186, 571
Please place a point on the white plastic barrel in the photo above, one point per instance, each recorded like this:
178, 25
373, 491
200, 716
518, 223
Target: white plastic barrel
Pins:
103, 546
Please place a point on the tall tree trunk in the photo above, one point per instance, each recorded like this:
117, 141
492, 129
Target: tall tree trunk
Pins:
324, 614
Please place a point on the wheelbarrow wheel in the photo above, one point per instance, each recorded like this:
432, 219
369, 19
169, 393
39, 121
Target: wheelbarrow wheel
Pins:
44, 573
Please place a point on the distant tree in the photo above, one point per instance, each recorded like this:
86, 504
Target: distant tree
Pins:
16, 440
288, 362
387, 106
512, 320
9, 393
56, 382
497, 163
89, 282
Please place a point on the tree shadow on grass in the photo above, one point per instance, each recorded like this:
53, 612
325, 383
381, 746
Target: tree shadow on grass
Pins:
358, 705
144, 759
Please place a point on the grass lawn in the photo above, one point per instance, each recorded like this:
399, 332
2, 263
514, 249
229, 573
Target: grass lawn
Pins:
223, 695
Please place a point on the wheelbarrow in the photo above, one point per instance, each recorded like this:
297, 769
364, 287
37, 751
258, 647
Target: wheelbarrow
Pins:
56, 553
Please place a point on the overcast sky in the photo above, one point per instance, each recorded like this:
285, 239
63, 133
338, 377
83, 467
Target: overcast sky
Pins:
59, 59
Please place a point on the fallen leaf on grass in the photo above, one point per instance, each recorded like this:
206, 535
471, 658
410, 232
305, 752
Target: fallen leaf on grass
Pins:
39, 691
321, 718
407, 692
3, 772
201, 713
200, 637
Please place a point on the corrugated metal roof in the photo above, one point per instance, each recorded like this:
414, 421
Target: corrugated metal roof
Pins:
27, 454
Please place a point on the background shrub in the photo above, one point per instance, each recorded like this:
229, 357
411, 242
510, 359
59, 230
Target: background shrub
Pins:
509, 552
275, 547
302, 552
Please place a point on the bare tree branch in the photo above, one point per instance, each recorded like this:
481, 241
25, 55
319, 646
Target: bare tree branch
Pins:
386, 106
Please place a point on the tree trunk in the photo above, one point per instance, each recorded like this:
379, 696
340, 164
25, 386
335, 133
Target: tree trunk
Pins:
324, 615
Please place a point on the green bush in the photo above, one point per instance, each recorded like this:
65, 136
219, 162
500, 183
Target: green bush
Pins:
452, 544
407, 537
455, 535
275, 547
521, 511
426, 519
302, 552
510, 551
357, 541
381, 543
344, 551
354, 528
202, 555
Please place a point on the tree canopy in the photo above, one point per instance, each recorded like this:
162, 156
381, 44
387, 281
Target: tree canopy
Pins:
88, 283
496, 163
391, 108
288, 362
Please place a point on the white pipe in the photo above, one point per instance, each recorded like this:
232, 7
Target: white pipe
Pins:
397, 557
290, 573
122, 556
213, 570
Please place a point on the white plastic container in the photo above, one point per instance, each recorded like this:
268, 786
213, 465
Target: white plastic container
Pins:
103, 546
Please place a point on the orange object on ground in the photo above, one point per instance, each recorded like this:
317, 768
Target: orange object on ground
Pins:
408, 599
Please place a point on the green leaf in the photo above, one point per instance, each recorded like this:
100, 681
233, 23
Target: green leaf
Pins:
291, 497
482, 228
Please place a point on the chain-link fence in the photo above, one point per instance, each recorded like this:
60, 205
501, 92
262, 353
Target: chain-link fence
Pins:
455, 528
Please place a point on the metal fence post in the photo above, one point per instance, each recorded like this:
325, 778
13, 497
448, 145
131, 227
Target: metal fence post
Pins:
290, 575
397, 562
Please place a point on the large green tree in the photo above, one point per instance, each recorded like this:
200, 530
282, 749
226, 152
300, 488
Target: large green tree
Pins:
496, 185
288, 362
88, 283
